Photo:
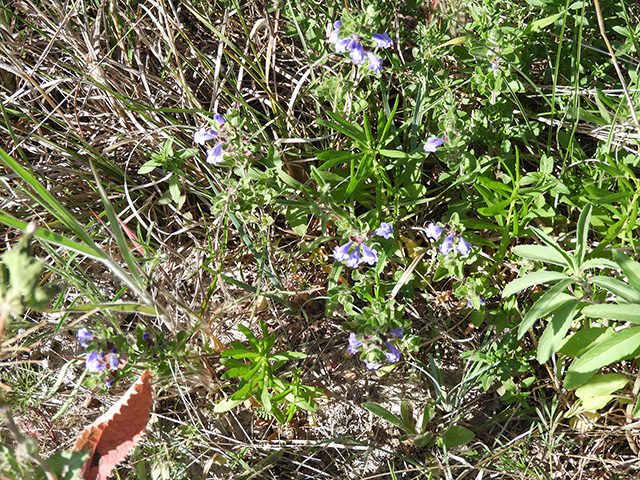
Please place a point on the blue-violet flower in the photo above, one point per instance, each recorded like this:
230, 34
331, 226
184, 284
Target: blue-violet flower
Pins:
382, 40
357, 54
333, 36
394, 354
219, 118
204, 135
371, 365
93, 361
431, 144
434, 231
113, 359
463, 246
447, 245
369, 255
214, 155
341, 252
84, 335
397, 332
384, 230
354, 343
375, 62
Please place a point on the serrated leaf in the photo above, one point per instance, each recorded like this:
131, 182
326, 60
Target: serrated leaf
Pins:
623, 312
623, 345
532, 279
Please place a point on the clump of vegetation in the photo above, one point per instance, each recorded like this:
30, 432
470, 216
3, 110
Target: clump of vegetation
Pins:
380, 239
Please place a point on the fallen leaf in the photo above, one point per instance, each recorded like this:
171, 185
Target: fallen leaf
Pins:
113, 435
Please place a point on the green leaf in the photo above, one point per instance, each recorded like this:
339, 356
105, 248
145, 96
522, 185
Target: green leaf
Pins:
456, 436
227, 404
298, 219
623, 312
288, 356
556, 331
582, 234
149, 166
617, 287
598, 391
407, 420
623, 345
67, 465
630, 268
174, 188
385, 414
532, 279
598, 263
542, 254
550, 301
422, 439
583, 340
552, 243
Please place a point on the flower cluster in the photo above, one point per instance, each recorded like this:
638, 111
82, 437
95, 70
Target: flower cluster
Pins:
214, 154
359, 343
109, 361
357, 52
361, 253
451, 241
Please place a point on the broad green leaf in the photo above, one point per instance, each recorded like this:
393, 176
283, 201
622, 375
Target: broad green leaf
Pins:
538, 25
422, 439
385, 414
570, 259
583, 340
174, 188
598, 263
556, 331
623, 345
495, 209
456, 436
583, 234
598, 391
550, 301
530, 280
542, 254
623, 312
629, 267
617, 287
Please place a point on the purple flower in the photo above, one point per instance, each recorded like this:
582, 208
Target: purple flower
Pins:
396, 332
383, 40
219, 118
394, 354
375, 62
384, 230
357, 53
84, 335
214, 155
369, 255
434, 231
113, 359
371, 365
342, 44
93, 362
109, 383
204, 135
146, 337
447, 245
463, 246
333, 36
341, 253
469, 304
354, 258
431, 144
354, 343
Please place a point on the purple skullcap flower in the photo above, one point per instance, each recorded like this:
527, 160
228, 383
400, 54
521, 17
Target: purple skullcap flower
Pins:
204, 135
219, 118
463, 246
369, 255
469, 304
109, 383
447, 245
113, 359
357, 54
214, 155
434, 231
146, 337
384, 230
354, 343
394, 354
354, 258
371, 365
375, 62
397, 332
341, 252
383, 40
342, 44
84, 335
432, 144
333, 36
93, 361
